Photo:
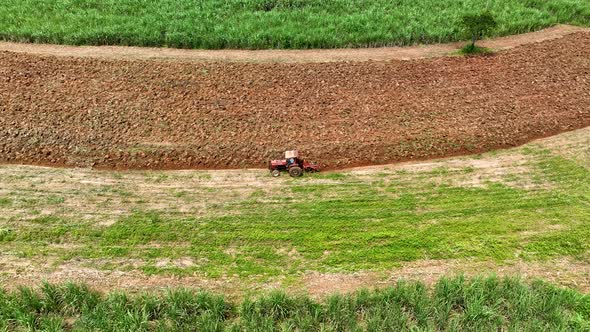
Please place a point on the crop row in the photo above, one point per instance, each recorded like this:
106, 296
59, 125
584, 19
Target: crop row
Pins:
262, 24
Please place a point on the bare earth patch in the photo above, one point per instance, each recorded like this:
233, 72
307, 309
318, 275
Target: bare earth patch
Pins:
219, 115
323, 284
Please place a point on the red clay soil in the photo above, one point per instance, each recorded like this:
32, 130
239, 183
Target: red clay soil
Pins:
138, 114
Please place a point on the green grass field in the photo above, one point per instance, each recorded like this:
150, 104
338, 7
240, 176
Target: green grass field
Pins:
530, 204
481, 304
261, 24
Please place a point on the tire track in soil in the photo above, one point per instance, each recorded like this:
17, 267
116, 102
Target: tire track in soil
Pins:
138, 114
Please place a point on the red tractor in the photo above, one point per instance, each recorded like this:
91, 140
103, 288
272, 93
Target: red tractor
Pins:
292, 164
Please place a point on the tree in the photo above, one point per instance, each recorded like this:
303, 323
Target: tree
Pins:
478, 25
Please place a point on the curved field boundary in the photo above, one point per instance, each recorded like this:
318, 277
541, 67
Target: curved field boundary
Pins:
324, 55
122, 114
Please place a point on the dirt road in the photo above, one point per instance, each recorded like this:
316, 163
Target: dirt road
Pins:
285, 56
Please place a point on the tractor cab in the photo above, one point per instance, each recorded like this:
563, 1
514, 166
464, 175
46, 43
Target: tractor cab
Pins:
292, 157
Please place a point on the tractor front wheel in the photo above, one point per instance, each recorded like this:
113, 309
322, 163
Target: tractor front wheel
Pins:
275, 173
295, 171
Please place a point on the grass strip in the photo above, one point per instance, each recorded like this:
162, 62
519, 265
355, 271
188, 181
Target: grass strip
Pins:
452, 304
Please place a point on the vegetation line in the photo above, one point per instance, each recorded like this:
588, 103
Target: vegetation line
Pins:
484, 304
268, 24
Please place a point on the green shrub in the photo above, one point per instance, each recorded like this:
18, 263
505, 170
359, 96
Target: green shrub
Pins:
478, 25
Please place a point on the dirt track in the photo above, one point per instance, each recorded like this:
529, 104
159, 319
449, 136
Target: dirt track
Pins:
160, 114
286, 56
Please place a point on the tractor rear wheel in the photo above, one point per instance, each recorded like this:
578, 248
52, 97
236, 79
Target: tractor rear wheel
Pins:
275, 173
295, 171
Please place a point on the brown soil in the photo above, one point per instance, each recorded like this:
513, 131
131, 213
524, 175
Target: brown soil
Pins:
112, 113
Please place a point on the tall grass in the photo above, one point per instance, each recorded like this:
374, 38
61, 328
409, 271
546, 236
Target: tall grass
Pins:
456, 304
260, 24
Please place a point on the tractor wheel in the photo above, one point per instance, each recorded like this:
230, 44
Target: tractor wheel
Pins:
275, 173
295, 171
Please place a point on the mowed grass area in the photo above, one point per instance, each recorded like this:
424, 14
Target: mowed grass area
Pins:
529, 204
262, 24
489, 304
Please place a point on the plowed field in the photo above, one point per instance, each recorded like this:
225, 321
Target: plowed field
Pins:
164, 114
